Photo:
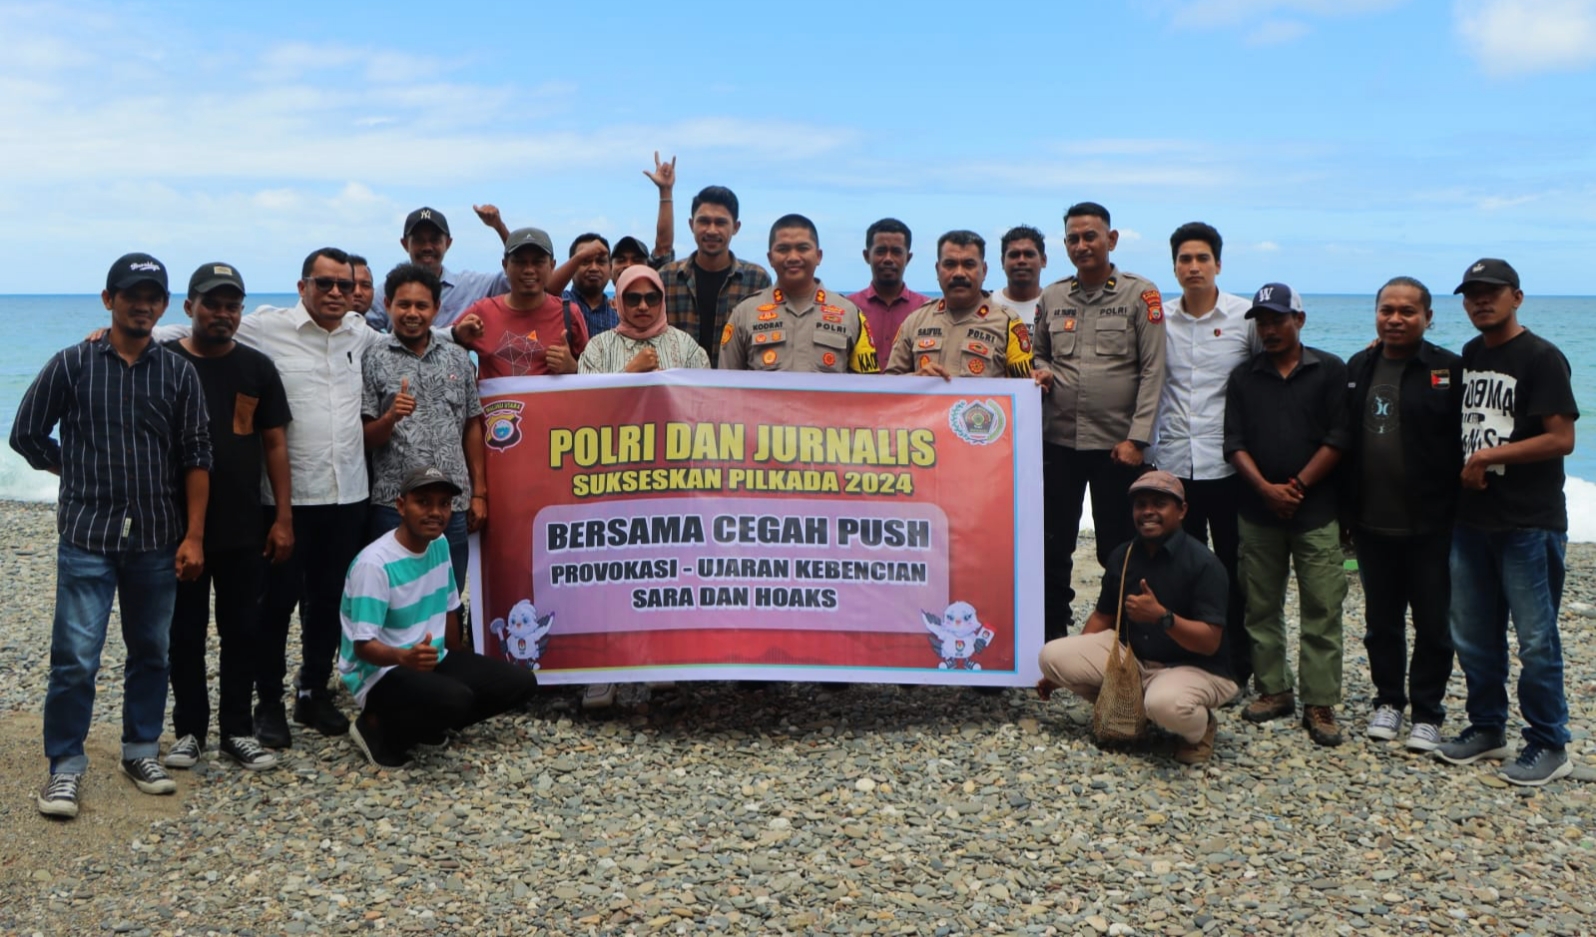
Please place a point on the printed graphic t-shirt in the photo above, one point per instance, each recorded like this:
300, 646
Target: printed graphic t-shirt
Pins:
1508, 391
515, 343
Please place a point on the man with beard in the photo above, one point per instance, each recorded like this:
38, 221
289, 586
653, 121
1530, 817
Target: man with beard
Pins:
965, 333
528, 331
701, 291
420, 408
796, 325
134, 459
887, 301
588, 281
1174, 611
248, 411
1024, 256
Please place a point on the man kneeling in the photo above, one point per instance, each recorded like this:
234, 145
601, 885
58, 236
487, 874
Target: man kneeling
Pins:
1175, 616
402, 655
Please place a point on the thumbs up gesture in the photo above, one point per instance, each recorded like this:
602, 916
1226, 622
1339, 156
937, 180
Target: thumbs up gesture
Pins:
403, 403
1144, 607
421, 656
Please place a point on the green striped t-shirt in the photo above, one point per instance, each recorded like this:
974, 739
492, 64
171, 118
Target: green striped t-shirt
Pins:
396, 597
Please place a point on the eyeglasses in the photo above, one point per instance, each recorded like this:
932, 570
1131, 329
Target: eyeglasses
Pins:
326, 284
642, 300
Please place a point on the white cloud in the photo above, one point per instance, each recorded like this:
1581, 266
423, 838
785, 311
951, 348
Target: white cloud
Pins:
1516, 37
1499, 202
1277, 32
1205, 14
1266, 247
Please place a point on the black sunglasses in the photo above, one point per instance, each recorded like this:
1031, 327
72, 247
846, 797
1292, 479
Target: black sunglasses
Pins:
326, 284
642, 300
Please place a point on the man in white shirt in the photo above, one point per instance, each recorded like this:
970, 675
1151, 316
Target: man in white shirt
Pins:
1024, 255
1206, 335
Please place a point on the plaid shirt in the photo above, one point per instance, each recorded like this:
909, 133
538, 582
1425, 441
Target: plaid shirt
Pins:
681, 304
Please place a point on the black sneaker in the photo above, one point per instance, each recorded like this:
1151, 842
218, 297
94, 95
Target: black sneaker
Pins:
368, 737
248, 752
184, 753
149, 776
59, 796
271, 726
318, 711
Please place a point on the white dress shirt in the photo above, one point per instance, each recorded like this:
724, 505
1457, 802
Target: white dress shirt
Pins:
1199, 356
321, 375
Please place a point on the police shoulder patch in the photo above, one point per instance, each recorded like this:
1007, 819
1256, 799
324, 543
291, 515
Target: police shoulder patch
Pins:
1155, 305
726, 334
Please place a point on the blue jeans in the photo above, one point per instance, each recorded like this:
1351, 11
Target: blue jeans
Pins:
385, 517
146, 583
1518, 572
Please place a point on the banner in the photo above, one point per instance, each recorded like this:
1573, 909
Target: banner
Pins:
715, 525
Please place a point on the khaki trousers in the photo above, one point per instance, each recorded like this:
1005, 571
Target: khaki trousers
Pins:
1178, 698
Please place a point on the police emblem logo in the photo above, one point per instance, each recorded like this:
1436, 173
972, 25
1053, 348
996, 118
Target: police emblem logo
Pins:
977, 422
828, 359
928, 343
768, 314
502, 422
766, 307
977, 366
761, 338
769, 357
1155, 305
979, 348
1022, 334
1069, 325
982, 312
925, 360
834, 317
726, 334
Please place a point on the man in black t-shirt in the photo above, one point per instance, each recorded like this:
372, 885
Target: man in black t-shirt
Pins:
1175, 595
1403, 459
1512, 529
701, 290
248, 411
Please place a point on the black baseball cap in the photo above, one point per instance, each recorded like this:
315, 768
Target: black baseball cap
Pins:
1275, 297
425, 477
426, 216
132, 269
1489, 270
210, 276
630, 245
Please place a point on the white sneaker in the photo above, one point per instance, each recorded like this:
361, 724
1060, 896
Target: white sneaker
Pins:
1385, 723
184, 753
1424, 737
598, 696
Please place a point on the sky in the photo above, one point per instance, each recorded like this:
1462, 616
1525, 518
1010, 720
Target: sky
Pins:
1334, 143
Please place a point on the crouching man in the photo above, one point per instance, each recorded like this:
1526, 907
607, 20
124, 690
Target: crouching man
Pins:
402, 655
1174, 621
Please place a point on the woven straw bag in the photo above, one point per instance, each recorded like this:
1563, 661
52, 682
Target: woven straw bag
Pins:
1120, 713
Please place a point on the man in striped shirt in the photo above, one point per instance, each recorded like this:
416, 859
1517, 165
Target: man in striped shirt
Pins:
134, 457
402, 655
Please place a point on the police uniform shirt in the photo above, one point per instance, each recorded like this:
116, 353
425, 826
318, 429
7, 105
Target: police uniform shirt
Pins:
990, 340
769, 332
1106, 351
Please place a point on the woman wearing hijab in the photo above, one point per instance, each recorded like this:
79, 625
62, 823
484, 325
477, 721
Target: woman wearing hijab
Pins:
643, 341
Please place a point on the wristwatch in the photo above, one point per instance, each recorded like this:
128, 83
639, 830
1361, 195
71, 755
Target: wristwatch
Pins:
1167, 620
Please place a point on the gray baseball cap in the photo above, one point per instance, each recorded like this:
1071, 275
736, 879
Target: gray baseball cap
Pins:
529, 237
425, 477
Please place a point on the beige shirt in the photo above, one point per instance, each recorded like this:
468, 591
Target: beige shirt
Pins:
990, 340
1106, 351
769, 332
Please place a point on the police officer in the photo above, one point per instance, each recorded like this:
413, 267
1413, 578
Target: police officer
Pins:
796, 325
1099, 357
966, 333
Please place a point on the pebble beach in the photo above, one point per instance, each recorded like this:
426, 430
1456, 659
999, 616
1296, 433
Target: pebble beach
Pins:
785, 810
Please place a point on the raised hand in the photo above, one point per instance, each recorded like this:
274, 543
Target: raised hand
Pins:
1144, 607
489, 215
664, 174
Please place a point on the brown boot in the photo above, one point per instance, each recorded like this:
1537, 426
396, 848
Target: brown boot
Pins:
1269, 706
1320, 721
1198, 752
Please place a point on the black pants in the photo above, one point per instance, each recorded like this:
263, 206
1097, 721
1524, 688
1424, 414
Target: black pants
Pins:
326, 539
464, 689
1399, 573
1212, 506
237, 575
1066, 473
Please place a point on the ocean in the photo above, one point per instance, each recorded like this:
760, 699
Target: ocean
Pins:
41, 325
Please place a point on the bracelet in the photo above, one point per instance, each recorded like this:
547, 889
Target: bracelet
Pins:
1297, 484
667, 200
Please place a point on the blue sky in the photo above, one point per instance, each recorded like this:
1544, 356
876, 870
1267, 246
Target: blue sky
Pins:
1335, 143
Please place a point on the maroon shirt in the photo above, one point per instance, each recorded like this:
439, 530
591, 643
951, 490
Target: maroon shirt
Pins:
885, 318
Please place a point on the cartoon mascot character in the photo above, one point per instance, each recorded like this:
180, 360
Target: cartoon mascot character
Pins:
523, 636
957, 635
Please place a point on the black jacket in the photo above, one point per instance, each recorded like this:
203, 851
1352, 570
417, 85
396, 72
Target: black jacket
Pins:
1432, 435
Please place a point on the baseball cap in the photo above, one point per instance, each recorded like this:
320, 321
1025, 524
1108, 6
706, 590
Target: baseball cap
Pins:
523, 237
1275, 297
630, 245
423, 477
1159, 481
426, 215
209, 276
131, 269
1489, 270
